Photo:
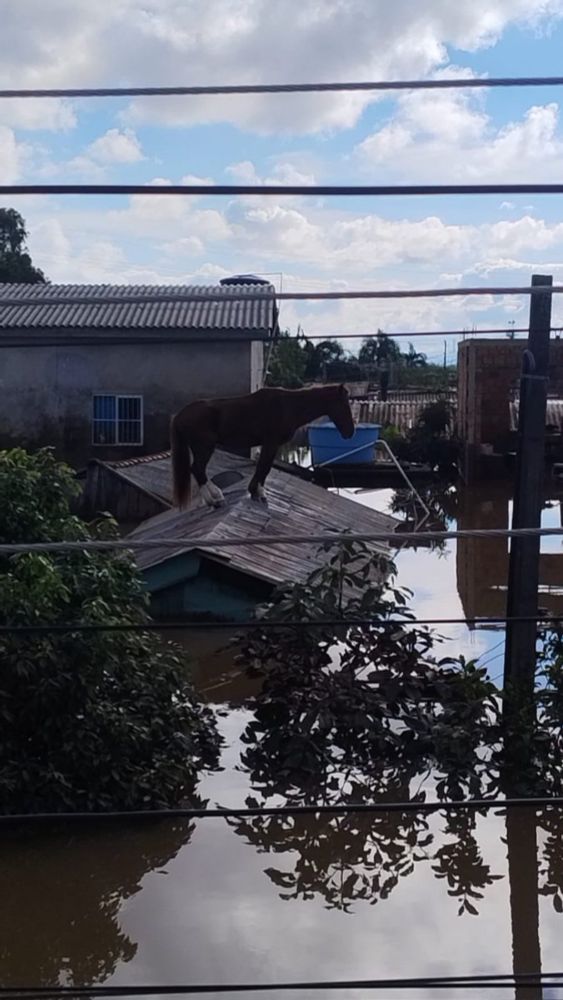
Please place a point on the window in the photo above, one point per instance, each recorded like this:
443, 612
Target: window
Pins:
117, 420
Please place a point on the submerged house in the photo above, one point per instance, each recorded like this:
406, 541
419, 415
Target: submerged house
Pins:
96, 371
224, 581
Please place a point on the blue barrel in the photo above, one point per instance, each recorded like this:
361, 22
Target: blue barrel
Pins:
328, 445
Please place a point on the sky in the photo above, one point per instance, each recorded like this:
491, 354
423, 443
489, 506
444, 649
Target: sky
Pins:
363, 138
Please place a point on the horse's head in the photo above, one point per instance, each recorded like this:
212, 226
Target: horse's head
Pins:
339, 410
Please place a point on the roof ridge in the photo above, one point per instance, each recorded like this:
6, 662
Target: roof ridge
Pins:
137, 460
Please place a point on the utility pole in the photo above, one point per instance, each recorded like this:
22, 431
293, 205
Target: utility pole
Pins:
523, 572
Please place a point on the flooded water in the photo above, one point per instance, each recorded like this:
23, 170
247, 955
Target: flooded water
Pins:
307, 898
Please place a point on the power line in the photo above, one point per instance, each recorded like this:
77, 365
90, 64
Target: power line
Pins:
186, 542
37, 336
415, 333
200, 90
266, 624
280, 190
337, 809
43, 299
484, 981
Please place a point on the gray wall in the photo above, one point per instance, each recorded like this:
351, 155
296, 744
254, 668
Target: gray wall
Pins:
46, 391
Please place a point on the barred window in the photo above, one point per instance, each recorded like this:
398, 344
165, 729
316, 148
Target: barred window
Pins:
117, 420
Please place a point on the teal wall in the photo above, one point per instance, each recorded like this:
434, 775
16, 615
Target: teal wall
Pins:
188, 585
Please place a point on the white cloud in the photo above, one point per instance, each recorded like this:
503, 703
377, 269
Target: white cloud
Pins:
30, 114
448, 136
115, 146
284, 172
76, 42
10, 156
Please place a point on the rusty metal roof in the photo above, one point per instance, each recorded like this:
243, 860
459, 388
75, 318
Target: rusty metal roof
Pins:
294, 507
233, 309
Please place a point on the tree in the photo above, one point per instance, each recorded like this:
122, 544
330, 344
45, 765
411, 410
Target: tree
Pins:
415, 359
96, 720
321, 355
379, 350
15, 262
288, 362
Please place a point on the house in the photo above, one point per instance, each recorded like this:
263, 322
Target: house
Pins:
225, 581
97, 374
488, 380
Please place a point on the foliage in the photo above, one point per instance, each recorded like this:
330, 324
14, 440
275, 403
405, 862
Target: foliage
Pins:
362, 714
415, 359
296, 361
432, 441
288, 363
15, 262
96, 720
379, 350
384, 700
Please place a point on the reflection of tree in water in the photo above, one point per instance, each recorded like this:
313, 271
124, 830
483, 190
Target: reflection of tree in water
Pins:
459, 862
362, 857
341, 859
369, 720
441, 499
61, 896
551, 860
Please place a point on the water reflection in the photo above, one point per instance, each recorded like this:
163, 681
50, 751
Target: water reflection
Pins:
482, 563
62, 895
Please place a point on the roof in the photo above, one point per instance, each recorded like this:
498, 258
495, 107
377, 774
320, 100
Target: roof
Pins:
553, 414
294, 507
233, 309
152, 473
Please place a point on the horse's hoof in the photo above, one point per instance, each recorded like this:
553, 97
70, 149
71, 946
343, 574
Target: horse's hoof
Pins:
212, 495
260, 496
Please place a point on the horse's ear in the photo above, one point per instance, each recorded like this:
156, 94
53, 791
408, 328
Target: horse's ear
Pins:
342, 389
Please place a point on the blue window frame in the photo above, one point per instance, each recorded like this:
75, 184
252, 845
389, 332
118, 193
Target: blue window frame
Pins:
117, 419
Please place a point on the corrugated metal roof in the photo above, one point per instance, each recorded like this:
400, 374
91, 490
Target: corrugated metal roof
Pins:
553, 416
229, 313
400, 413
294, 507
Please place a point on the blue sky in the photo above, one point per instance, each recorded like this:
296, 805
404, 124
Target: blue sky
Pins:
506, 135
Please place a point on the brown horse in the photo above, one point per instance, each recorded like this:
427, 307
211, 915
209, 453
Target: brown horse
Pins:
268, 418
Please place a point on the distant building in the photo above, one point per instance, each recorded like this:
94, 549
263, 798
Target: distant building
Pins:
488, 380
101, 379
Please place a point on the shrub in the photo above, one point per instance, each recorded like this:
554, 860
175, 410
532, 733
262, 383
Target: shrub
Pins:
99, 720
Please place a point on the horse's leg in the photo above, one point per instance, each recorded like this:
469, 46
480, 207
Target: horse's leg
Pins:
202, 452
264, 464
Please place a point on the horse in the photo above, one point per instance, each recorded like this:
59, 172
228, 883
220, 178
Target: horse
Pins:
268, 418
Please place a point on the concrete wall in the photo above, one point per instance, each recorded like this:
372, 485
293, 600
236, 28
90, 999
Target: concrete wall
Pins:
488, 371
46, 391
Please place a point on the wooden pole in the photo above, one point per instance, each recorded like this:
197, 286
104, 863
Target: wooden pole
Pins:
523, 572
522, 851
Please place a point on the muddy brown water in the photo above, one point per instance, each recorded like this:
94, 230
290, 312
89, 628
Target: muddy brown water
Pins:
304, 899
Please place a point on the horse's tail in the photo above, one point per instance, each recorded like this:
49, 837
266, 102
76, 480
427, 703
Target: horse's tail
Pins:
181, 464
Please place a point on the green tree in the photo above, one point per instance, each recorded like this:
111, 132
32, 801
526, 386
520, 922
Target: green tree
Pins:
415, 359
15, 262
96, 720
288, 362
379, 350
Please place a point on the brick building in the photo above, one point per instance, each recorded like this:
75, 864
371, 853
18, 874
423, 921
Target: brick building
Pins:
488, 378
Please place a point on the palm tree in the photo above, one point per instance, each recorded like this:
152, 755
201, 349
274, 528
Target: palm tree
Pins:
415, 359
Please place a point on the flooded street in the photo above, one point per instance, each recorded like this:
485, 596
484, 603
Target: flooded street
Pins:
304, 898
